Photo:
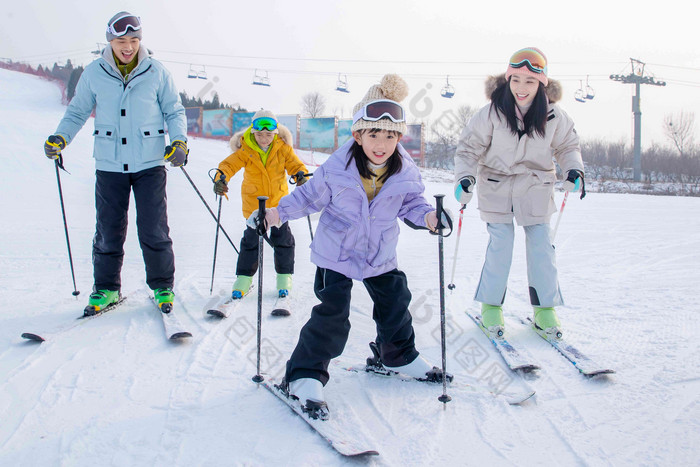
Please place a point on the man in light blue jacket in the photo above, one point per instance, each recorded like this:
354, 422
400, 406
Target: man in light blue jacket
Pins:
133, 97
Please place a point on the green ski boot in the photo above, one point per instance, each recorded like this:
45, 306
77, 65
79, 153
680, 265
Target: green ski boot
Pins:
546, 319
492, 319
241, 286
164, 299
101, 300
284, 284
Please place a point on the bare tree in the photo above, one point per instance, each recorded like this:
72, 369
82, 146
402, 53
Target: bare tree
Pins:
680, 130
313, 104
444, 132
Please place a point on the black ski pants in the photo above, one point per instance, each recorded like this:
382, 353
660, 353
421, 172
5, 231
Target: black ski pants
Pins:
282, 242
112, 192
324, 336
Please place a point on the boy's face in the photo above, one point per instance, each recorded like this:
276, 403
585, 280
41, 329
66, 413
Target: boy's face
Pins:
125, 48
264, 138
377, 146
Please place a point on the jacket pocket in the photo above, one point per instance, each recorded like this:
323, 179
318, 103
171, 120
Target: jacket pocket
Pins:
386, 248
493, 193
539, 198
152, 142
105, 148
329, 241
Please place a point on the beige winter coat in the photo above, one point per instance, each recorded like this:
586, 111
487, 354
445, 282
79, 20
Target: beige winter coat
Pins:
516, 175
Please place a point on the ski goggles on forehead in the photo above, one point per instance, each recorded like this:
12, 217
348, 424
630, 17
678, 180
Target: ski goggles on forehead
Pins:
533, 60
377, 110
264, 124
121, 25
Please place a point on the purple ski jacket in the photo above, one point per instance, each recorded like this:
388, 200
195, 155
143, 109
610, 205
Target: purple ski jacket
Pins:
355, 237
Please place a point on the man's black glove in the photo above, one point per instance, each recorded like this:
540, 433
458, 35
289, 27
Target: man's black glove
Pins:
53, 146
177, 153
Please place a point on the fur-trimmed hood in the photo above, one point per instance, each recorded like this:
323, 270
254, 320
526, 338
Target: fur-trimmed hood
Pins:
236, 141
553, 89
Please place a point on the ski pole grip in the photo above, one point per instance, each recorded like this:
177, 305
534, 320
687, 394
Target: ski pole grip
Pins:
438, 211
261, 212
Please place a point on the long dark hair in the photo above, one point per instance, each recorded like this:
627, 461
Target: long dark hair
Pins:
534, 121
393, 164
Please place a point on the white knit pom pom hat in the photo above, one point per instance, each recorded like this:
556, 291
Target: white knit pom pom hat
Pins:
391, 87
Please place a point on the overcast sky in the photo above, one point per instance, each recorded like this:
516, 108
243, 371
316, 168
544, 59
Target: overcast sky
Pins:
305, 45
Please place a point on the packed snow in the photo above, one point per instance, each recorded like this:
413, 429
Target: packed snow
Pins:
114, 391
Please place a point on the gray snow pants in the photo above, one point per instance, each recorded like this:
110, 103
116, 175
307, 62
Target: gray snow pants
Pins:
541, 266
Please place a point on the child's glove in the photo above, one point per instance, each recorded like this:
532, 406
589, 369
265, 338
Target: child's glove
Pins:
177, 153
53, 146
301, 178
220, 186
464, 189
574, 181
272, 219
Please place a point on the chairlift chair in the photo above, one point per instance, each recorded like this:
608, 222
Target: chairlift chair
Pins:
590, 92
580, 95
448, 91
192, 73
202, 73
261, 80
342, 84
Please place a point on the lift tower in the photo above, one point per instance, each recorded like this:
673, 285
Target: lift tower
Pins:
637, 78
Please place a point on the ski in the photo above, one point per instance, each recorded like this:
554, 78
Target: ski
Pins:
584, 364
341, 436
282, 306
513, 398
174, 330
80, 320
227, 305
513, 358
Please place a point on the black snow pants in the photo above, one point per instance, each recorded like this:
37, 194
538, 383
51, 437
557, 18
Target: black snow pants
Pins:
326, 332
282, 242
112, 192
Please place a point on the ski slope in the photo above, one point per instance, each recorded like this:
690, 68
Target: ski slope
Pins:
115, 392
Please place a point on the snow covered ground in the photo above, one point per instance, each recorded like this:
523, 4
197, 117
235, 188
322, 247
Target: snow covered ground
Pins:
114, 392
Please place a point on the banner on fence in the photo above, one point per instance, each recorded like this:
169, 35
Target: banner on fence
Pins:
412, 142
344, 133
317, 133
194, 120
291, 122
217, 122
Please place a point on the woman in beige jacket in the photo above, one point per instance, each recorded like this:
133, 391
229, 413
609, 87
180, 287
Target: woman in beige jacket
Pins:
507, 150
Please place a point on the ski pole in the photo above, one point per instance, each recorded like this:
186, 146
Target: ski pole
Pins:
216, 239
444, 398
451, 285
311, 230
65, 225
561, 211
261, 230
293, 179
208, 208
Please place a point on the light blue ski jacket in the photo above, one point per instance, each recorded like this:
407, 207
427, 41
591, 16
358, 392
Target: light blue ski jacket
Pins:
130, 115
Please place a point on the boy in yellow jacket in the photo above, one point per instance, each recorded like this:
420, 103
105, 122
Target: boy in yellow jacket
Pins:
265, 151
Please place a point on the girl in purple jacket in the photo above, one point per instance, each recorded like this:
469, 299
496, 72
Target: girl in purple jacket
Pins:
361, 191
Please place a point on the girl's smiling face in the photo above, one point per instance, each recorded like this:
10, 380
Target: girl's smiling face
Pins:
378, 146
524, 88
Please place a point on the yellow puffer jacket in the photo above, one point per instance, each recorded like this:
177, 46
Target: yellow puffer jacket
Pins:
258, 179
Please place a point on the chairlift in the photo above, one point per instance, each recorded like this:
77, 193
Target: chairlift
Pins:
448, 91
590, 92
202, 73
342, 84
192, 73
261, 80
580, 95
